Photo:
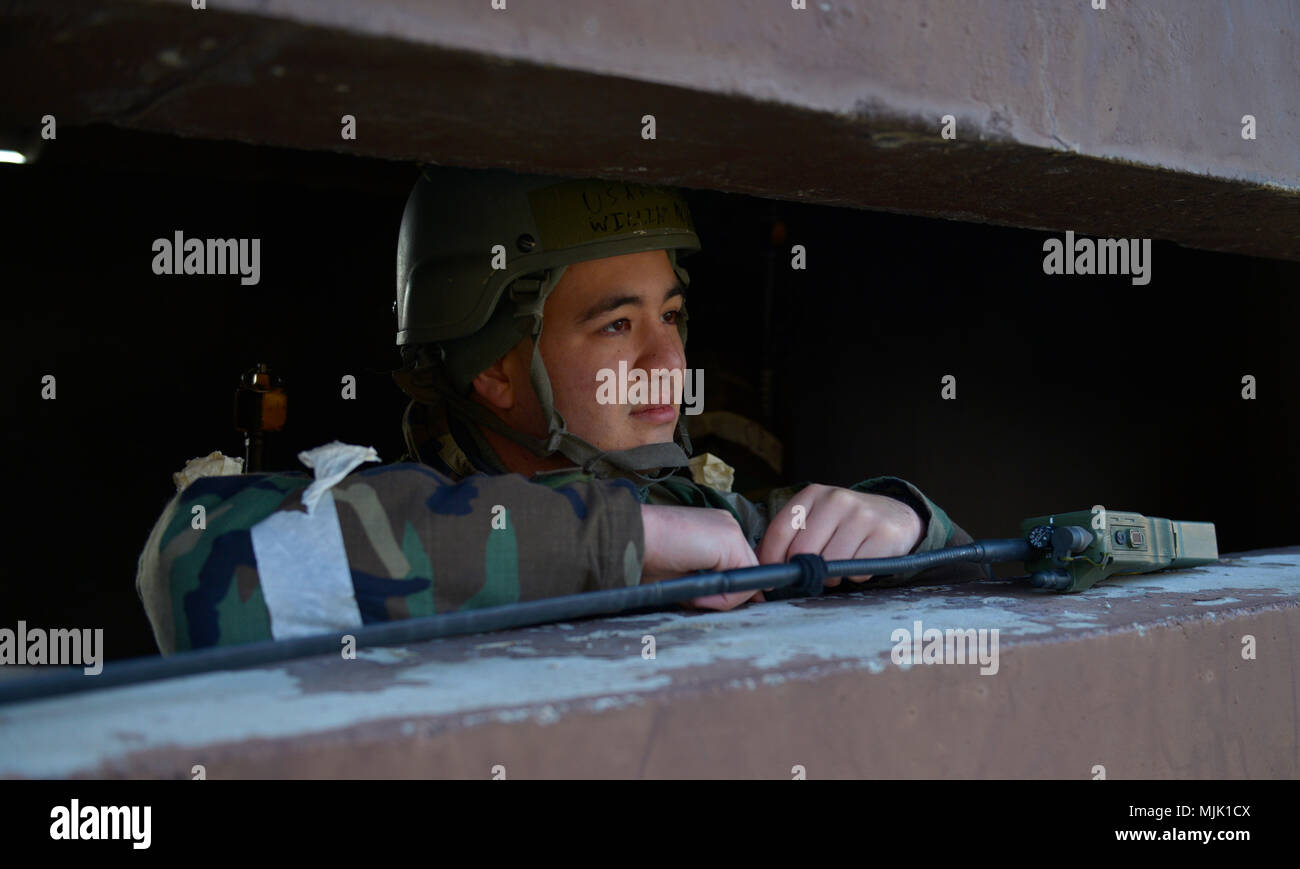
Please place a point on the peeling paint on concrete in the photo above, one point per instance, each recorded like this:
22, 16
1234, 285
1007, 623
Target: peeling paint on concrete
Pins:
545, 674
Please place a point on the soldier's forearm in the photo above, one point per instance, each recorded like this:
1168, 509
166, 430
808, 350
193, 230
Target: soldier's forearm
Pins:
938, 532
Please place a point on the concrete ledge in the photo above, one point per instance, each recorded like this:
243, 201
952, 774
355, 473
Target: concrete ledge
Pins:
1122, 123
1142, 675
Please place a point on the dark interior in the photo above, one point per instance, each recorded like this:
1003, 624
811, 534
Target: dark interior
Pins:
1071, 391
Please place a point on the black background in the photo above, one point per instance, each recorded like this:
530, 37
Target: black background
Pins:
1037, 820
1071, 391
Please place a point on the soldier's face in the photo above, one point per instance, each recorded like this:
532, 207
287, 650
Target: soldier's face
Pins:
601, 313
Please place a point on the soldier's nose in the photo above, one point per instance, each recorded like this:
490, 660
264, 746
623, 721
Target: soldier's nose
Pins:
664, 353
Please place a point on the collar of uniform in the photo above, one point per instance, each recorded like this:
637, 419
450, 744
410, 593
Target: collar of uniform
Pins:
466, 447
463, 449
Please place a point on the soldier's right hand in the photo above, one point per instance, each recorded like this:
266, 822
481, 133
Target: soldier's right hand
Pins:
682, 540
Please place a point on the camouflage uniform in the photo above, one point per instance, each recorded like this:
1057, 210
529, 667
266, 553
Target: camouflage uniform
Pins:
456, 450
420, 540
417, 541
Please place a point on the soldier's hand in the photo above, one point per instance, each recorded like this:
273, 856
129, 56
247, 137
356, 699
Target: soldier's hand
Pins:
840, 523
682, 540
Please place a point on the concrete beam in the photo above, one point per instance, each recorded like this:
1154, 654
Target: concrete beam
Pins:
1118, 122
1142, 675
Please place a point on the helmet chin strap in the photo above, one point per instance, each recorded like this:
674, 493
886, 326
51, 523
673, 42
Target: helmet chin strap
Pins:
633, 463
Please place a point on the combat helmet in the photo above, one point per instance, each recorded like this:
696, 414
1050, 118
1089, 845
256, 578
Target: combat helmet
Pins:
478, 255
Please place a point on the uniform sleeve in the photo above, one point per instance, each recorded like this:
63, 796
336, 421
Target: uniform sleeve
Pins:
683, 492
939, 530
413, 542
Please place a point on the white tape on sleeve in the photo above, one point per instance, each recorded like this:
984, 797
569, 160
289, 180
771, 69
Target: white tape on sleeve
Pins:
303, 567
331, 463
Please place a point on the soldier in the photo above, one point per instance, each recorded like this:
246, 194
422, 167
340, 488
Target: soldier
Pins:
503, 357
498, 499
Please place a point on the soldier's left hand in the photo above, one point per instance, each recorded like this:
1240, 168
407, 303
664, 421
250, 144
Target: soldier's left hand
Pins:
838, 524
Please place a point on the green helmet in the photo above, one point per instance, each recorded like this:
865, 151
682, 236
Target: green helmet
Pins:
477, 257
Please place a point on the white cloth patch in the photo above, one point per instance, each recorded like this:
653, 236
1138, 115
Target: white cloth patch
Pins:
303, 567
211, 465
331, 463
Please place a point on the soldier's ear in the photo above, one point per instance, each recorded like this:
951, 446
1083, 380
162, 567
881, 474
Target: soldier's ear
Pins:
494, 387
505, 382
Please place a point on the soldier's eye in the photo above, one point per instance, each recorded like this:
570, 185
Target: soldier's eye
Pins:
612, 327
673, 316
